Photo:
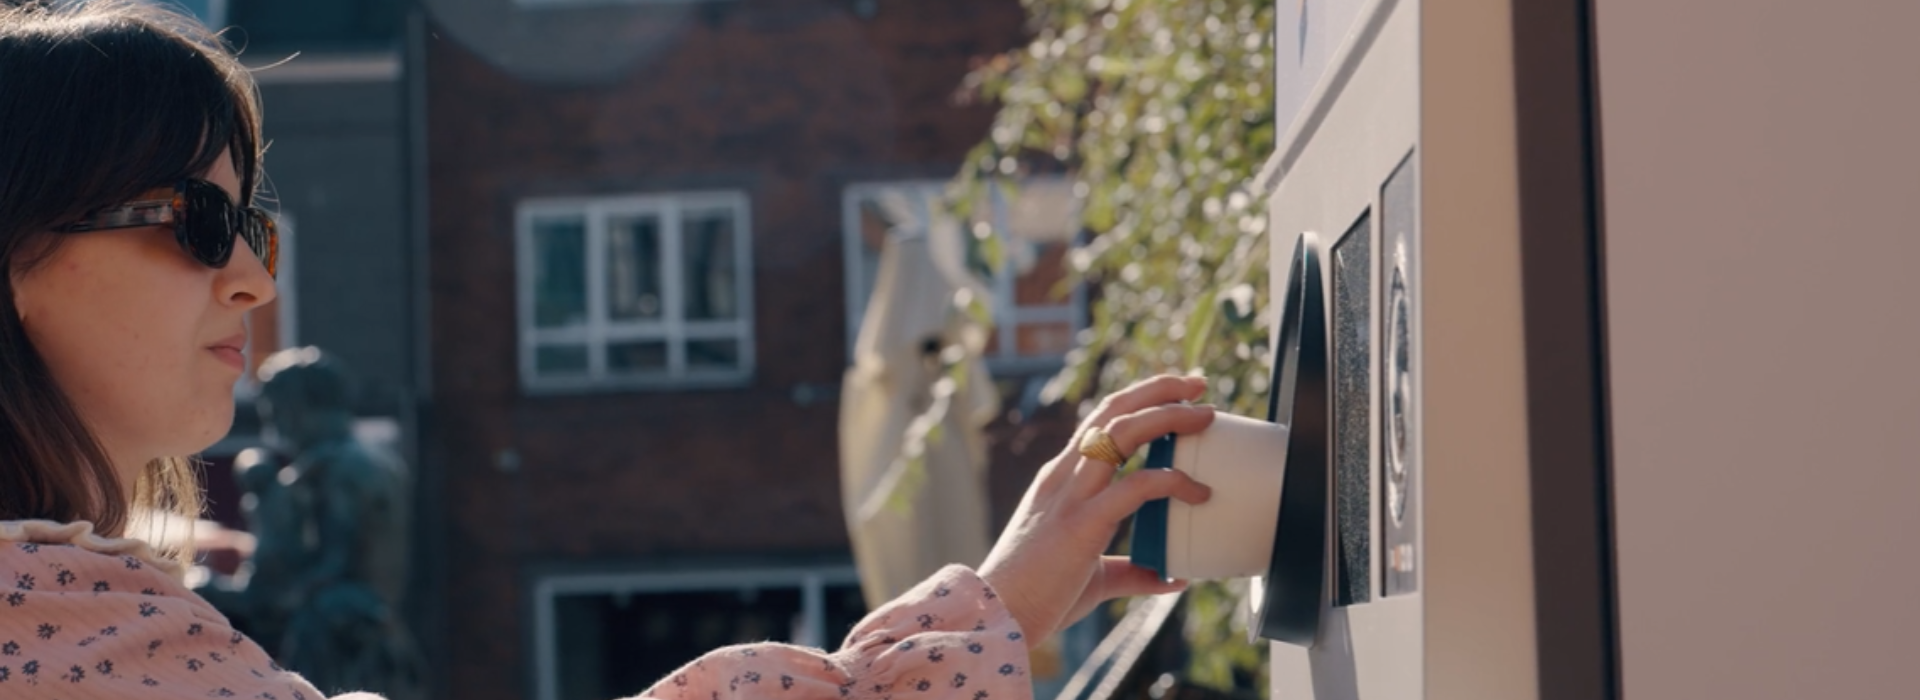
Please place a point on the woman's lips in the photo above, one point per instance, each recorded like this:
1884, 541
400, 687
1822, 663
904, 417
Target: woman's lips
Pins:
231, 350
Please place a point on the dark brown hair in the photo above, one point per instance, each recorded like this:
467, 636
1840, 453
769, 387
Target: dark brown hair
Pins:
99, 102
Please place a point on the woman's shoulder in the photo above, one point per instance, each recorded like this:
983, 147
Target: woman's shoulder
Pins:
43, 558
106, 617
26, 538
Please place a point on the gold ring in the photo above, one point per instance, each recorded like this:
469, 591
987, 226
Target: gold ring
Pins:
1097, 444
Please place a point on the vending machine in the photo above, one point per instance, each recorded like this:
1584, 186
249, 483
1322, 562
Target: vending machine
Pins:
1461, 400
1595, 355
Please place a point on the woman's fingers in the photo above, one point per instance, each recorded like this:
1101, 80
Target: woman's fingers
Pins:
1163, 389
1119, 501
1048, 563
1120, 578
1134, 430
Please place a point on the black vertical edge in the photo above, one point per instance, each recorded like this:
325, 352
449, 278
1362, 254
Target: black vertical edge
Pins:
1296, 571
1556, 100
427, 611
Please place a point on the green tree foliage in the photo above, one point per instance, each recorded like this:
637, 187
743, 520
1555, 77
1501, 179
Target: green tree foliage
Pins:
1161, 113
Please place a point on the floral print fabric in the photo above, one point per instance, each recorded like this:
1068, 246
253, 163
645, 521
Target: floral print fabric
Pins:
78, 623
84, 617
948, 638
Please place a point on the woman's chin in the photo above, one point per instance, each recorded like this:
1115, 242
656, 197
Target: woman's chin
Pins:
210, 427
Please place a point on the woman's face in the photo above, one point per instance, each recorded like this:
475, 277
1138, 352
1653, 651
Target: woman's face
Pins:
145, 341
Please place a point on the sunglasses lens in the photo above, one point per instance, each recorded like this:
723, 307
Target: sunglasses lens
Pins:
263, 237
205, 228
208, 223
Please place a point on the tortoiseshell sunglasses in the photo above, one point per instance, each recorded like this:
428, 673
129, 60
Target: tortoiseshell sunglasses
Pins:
203, 220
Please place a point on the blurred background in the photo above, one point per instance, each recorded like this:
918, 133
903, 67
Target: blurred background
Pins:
712, 321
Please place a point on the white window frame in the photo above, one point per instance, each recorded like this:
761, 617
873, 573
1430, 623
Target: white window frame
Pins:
812, 582
1007, 315
672, 327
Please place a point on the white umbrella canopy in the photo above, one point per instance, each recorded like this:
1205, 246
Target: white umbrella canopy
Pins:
905, 526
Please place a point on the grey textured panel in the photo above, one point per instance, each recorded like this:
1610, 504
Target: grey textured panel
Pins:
1353, 413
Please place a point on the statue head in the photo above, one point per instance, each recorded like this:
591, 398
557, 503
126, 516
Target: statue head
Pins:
255, 470
304, 397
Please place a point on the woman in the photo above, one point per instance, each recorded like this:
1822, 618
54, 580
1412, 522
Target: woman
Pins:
129, 157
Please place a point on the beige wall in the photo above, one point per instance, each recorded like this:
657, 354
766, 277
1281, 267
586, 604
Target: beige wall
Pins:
1762, 178
1307, 35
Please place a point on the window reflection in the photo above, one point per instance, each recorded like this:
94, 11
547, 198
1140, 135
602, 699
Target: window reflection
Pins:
633, 268
709, 265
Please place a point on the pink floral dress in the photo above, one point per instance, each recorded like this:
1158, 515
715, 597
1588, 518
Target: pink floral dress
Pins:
85, 617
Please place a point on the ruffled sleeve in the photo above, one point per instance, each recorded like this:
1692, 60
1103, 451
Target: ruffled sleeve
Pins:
950, 637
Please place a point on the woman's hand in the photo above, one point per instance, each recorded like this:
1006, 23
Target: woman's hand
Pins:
1049, 566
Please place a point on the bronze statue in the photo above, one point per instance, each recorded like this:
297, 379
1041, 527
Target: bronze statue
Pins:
250, 599
330, 566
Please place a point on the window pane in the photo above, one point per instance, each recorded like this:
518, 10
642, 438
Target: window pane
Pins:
713, 354
559, 272
645, 355
845, 609
613, 645
580, 637
1043, 339
708, 252
560, 359
633, 268
1039, 284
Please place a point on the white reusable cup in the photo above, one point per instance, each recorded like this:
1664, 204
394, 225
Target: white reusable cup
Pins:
1231, 535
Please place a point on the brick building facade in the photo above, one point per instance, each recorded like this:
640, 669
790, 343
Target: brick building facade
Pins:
606, 462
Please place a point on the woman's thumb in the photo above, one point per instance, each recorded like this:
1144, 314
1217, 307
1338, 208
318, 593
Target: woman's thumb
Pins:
1120, 578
